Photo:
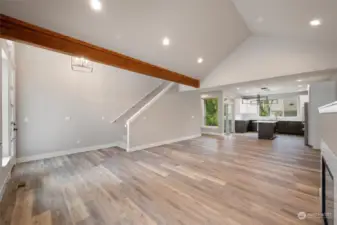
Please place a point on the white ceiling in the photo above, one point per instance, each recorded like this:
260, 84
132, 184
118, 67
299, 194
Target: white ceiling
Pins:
197, 28
278, 85
290, 18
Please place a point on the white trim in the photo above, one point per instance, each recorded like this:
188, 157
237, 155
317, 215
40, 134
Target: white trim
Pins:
151, 102
331, 160
9, 175
6, 160
121, 144
210, 127
213, 133
3, 188
329, 108
125, 111
142, 147
64, 152
127, 136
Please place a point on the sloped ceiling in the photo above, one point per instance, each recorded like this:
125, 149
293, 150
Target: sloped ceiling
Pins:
197, 28
290, 19
283, 42
266, 57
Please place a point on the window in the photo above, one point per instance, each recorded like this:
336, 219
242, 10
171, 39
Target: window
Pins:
279, 107
265, 108
276, 109
290, 107
211, 112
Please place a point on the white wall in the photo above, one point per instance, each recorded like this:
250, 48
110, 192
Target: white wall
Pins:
320, 94
220, 129
174, 116
266, 57
303, 99
48, 92
334, 78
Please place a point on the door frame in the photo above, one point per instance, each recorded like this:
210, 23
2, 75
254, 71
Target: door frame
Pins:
10, 124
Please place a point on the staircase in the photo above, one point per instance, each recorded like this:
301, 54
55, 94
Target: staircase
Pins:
129, 115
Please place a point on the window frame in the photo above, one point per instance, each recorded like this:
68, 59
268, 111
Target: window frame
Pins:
283, 111
204, 123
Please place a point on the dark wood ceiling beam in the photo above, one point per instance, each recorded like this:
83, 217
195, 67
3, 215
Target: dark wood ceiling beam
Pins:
16, 30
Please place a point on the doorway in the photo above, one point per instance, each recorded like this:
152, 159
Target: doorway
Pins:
8, 118
229, 116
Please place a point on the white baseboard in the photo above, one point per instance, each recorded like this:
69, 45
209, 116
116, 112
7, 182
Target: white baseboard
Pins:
64, 152
213, 133
142, 147
3, 188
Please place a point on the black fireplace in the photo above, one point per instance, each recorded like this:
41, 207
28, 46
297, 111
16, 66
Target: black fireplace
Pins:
327, 194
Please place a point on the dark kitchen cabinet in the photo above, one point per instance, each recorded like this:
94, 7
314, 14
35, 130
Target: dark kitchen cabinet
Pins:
252, 126
290, 127
241, 126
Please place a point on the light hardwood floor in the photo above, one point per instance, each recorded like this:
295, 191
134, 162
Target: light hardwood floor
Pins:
207, 180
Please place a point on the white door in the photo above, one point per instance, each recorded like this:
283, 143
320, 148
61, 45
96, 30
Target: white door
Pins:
8, 115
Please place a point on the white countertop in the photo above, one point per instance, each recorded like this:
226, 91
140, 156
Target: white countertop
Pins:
329, 108
264, 121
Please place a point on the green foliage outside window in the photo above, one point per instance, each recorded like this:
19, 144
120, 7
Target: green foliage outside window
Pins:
264, 108
211, 112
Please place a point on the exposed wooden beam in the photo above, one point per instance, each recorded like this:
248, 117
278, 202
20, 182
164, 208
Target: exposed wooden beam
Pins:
20, 31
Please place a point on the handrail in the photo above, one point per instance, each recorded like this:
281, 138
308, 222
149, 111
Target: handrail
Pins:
134, 105
329, 108
146, 106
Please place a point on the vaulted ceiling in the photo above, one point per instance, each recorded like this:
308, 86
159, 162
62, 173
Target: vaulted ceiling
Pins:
209, 29
290, 18
288, 37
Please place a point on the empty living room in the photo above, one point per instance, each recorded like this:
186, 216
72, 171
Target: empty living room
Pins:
180, 112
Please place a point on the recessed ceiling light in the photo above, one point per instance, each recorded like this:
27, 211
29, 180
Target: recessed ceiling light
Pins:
166, 41
200, 60
299, 80
96, 5
315, 22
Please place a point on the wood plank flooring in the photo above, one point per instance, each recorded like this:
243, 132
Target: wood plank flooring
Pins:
207, 180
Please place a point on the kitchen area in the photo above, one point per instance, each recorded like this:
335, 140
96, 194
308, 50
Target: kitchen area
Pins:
268, 116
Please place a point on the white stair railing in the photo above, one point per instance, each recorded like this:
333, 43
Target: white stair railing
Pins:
159, 93
139, 103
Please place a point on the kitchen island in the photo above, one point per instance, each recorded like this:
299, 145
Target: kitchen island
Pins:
266, 129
